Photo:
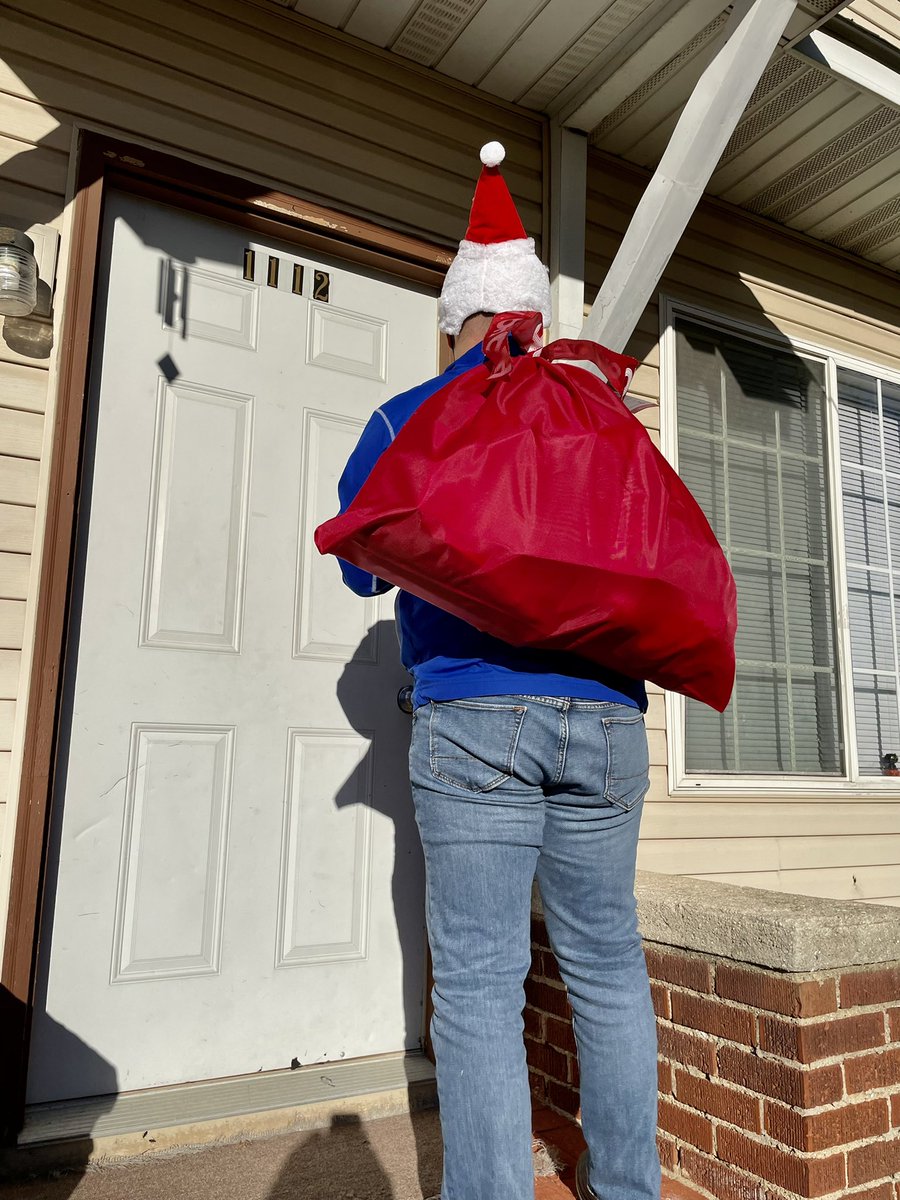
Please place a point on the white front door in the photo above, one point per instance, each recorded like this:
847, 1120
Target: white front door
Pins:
236, 879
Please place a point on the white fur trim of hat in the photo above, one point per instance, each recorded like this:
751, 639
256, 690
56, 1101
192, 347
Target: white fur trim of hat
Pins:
496, 269
493, 278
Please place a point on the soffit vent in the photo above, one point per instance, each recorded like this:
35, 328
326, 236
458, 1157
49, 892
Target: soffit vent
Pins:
881, 225
432, 28
790, 98
884, 235
833, 165
775, 74
658, 78
589, 47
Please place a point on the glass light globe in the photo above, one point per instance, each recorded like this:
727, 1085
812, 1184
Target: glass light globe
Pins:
18, 273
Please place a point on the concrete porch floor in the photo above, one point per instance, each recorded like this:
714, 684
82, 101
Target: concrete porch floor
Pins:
392, 1158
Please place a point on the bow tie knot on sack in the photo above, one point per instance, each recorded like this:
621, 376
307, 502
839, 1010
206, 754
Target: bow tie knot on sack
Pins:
526, 498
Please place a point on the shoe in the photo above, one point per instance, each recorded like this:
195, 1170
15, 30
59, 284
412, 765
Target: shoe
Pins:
582, 1188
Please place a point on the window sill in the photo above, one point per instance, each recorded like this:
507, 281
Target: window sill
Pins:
772, 787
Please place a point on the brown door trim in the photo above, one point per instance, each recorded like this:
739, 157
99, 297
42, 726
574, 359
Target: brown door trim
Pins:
104, 162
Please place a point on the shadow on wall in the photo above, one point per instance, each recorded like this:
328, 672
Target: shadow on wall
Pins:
17, 1167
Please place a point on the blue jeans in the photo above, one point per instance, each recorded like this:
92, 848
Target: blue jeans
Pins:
507, 788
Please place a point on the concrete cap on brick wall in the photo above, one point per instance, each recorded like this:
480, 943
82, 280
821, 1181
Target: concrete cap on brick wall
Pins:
770, 929
777, 930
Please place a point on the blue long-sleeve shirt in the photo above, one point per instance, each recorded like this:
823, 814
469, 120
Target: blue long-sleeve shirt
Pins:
448, 658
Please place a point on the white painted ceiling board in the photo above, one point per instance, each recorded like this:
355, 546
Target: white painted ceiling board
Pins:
861, 216
589, 100
487, 37
876, 244
778, 149
550, 34
595, 46
379, 21
883, 171
868, 240
329, 12
766, 171
657, 103
854, 151
432, 28
797, 90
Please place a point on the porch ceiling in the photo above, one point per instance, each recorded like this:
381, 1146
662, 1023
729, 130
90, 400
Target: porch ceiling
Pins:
813, 151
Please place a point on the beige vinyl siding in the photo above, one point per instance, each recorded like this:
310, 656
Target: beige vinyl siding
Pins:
255, 92
881, 17
34, 162
259, 91
23, 399
737, 266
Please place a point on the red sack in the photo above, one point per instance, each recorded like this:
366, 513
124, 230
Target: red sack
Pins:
526, 499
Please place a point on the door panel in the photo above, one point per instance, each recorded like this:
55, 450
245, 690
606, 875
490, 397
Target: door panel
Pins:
236, 881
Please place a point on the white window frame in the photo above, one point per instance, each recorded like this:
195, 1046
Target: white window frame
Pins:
797, 787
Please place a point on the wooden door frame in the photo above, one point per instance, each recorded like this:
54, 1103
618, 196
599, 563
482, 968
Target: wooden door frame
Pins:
105, 162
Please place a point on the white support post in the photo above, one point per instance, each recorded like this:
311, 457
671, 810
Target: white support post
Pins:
568, 186
704, 127
851, 64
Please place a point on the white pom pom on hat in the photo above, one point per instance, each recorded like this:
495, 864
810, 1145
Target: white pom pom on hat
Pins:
496, 269
493, 154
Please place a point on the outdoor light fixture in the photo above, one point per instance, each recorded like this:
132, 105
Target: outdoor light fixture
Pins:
18, 273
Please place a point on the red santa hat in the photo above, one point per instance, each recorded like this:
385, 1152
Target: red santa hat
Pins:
496, 268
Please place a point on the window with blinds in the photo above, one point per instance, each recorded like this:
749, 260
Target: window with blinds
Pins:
751, 446
869, 415
753, 437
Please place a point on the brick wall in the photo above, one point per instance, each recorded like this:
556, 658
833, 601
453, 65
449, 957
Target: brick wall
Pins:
771, 1085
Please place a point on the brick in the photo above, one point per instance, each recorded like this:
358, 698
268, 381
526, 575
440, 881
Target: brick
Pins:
717, 1178
538, 1084
805, 1176
681, 969
718, 1100
687, 1048
548, 1061
662, 1003
821, 1039
561, 1035
776, 993
548, 966
875, 1161
664, 1075
781, 1080
710, 1016
870, 987
894, 1019
547, 998
866, 1072
895, 1109
539, 932
811, 1132
881, 1191
668, 1154
534, 1024
686, 1125
563, 1098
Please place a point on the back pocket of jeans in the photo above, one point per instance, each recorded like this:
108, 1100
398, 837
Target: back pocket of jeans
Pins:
472, 744
628, 761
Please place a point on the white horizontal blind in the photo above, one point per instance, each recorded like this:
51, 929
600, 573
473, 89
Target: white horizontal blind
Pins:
751, 446
870, 484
